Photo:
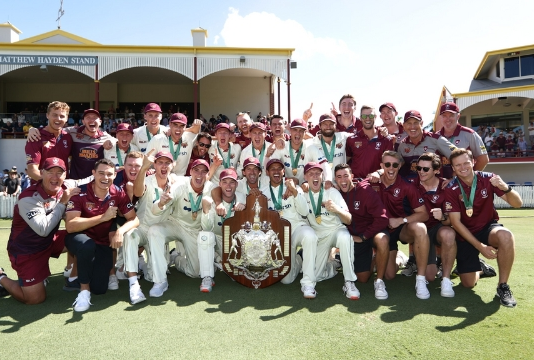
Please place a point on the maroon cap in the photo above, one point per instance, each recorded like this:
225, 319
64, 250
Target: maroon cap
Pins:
450, 107
251, 161
388, 105
152, 107
163, 154
312, 165
178, 118
198, 162
49, 163
274, 161
228, 173
327, 117
298, 123
223, 126
413, 114
125, 127
258, 125
91, 111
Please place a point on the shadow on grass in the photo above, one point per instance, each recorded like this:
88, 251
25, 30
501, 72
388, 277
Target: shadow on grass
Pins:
466, 305
57, 302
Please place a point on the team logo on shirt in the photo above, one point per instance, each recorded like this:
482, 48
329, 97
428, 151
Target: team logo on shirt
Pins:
46, 205
90, 206
185, 144
448, 206
434, 198
28, 157
484, 193
377, 145
396, 192
358, 144
456, 142
70, 205
339, 145
88, 153
65, 144
112, 203
425, 148
357, 205
79, 136
407, 150
421, 201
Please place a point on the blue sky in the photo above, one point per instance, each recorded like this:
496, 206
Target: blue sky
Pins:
398, 51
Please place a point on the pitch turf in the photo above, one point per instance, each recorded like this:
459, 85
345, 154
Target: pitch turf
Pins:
234, 322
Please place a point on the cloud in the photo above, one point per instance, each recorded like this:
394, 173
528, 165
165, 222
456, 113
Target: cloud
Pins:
267, 30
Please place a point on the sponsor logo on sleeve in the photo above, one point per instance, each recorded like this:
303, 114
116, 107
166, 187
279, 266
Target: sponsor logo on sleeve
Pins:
448, 206
421, 201
28, 157
129, 206
31, 214
70, 205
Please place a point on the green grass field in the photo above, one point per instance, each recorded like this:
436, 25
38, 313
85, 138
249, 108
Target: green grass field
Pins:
234, 322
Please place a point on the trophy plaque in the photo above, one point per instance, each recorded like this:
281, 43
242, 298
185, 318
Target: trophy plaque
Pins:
256, 245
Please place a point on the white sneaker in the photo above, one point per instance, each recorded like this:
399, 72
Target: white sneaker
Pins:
121, 274
351, 291
158, 289
67, 271
83, 301
446, 288
309, 292
207, 284
421, 290
113, 283
136, 295
380, 290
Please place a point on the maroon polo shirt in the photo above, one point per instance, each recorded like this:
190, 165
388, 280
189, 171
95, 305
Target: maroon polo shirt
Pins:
90, 205
433, 199
195, 157
243, 141
400, 198
365, 153
269, 137
49, 146
483, 209
355, 126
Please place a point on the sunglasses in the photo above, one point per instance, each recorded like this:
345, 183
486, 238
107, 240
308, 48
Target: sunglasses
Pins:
207, 146
370, 116
425, 169
395, 165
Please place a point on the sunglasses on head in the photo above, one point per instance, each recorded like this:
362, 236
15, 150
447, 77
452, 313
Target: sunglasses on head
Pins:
395, 165
370, 116
207, 146
425, 169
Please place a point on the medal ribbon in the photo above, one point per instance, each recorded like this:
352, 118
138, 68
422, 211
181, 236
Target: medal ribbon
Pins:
229, 212
317, 209
171, 148
469, 204
226, 163
195, 206
295, 164
148, 135
329, 154
262, 153
119, 158
277, 203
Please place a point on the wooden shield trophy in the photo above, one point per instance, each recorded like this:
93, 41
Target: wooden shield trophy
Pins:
256, 245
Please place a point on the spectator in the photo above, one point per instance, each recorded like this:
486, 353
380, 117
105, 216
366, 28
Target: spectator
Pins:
521, 146
12, 184
24, 181
8, 127
531, 132
509, 145
488, 140
26, 128
501, 140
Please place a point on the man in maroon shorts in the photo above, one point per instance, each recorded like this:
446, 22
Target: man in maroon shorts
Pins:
34, 237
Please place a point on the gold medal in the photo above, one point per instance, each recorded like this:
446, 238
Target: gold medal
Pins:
280, 213
194, 215
295, 172
331, 165
469, 212
318, 219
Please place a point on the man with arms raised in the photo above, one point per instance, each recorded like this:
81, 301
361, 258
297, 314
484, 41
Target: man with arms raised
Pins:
469, 203
34, 237
288, 199
177, 141
89, 218
278, 129
145, 133
200, 150
122, 145
328, 215
407, 214
210, 239
183, 226
461, 137
365, 147
368, 228
346, 121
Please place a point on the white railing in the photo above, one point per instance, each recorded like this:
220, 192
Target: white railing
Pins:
7, 204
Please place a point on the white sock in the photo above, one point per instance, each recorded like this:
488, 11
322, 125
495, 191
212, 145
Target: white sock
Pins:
420, 277
71, 279
132, 280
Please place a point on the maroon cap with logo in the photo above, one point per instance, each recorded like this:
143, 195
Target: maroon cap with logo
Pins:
251, 160
388, 105
198, 162
222, 126
125, 127
274, 161
54, 162
312, 165
413, 114
178, 118
152, 107
228, 173
258, 125
91, 111
163, 154
449, 107
327, 117
299, 123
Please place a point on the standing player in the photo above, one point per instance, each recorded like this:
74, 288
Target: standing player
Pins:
145, 133
388, 114
122, 146
469, 203
407, 214
346, 121
200, 150
34, 236
328, 215
88, 221
223, 152
461, 137
278, 129
368, 228
243, 124
288, 199
185, 199
257, 148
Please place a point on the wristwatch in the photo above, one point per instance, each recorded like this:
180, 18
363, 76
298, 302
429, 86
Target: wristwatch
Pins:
405, 220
